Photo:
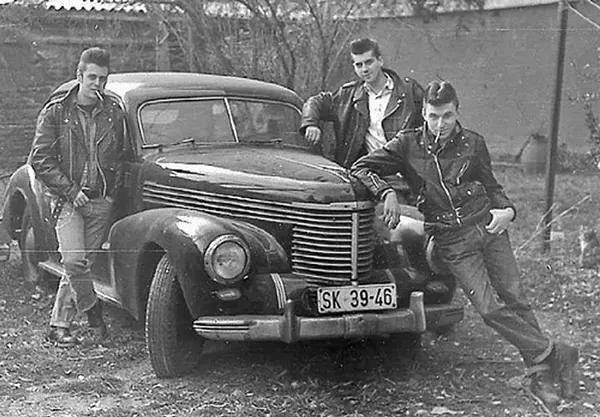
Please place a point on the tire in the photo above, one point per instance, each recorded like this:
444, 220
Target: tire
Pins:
173, 345
29, 253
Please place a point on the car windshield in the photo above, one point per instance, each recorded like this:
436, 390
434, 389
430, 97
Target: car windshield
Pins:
208, 121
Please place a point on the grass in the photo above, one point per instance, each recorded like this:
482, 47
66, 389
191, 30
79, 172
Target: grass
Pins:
468, 372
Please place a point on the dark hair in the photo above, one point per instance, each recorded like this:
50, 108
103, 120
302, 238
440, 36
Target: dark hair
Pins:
363, 45
95, 55
438, 93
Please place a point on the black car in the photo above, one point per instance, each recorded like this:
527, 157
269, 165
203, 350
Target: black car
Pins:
228, 227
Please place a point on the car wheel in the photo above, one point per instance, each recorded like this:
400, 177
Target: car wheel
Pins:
173, 345
27, 246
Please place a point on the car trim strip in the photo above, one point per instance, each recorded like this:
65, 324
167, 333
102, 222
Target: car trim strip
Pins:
279, 290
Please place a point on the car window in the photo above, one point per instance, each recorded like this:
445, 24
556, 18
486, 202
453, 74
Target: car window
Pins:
257, 121
170, 122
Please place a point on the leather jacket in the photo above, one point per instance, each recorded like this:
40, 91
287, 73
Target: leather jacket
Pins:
59, 152
348, 109
453, 180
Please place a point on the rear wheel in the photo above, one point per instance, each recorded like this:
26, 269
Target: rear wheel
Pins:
173, 345
30, 255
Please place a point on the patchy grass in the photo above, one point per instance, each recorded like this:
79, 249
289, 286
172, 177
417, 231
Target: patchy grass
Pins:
469, 372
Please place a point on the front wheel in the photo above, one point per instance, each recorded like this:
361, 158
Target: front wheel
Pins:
173, 345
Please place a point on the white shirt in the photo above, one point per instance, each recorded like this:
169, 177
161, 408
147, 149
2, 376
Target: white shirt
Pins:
378, 102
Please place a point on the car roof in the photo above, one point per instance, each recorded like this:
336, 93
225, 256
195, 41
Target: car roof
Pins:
137, 87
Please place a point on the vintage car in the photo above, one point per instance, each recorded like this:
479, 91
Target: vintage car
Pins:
228, 227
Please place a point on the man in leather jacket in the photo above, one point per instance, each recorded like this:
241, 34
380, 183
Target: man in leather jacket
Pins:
365, 113
77, 153
467, 213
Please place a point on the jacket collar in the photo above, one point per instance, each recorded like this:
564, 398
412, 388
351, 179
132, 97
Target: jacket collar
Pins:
70, 99
360, 97
428, 139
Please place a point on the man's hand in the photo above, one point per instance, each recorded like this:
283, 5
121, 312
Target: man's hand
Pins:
391, 210
501, 219
312, 134
80, 199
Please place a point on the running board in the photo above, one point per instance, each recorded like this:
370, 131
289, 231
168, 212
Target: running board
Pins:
103, 291
52, 266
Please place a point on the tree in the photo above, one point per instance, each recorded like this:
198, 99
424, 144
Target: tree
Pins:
295, 43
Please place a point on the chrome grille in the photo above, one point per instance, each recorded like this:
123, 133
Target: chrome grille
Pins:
330, 242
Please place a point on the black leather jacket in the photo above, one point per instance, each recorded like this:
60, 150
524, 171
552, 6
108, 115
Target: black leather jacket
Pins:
59, 153
348, 109
453, 180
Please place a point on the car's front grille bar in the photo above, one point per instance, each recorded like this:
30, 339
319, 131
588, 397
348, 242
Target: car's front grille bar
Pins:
331, 242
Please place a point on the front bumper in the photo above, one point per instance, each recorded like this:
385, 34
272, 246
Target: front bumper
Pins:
291, 328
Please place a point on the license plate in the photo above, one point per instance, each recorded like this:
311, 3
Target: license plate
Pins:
356, 298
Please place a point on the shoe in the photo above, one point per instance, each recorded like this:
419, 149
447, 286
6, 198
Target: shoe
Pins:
97, 329
62, 337
564, 369
542, 386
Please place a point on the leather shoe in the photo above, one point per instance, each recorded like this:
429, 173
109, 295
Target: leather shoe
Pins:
542, 386
564, 369
62, 337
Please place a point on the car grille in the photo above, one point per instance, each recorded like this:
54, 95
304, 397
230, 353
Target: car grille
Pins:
331, 243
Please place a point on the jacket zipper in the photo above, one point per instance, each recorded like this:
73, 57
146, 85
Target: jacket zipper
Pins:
104, 184
446, 191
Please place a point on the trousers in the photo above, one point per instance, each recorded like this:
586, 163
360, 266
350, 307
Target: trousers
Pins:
485, 268
80, 232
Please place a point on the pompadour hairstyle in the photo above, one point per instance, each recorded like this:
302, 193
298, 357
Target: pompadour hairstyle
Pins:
95, 55
439, 93
363, 45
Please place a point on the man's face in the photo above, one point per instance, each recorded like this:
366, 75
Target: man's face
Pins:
441, 120
93, 78
367, 66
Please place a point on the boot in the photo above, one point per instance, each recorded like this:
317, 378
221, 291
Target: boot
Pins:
542, 386
62, 337
96, 324
564, 369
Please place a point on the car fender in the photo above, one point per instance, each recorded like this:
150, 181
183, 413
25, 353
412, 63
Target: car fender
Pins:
138, 241
25, 192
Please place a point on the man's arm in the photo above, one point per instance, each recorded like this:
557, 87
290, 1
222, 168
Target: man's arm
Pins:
45, 154
418, 93
503, 210
370, 169
318, 108
122, 147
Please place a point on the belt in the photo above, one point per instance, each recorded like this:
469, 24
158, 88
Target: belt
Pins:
448, 219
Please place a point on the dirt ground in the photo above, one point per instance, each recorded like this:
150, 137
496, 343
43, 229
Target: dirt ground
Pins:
469, 372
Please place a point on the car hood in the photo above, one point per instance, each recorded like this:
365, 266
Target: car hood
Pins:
264, 171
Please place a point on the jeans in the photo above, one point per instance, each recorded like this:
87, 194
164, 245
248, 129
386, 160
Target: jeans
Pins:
80, 232
485, 268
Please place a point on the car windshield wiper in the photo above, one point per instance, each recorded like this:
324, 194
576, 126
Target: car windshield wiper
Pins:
184, 141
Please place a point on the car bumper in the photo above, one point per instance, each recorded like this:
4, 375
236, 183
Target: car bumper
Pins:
291, 328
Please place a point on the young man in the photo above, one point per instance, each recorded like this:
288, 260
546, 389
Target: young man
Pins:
365, 113
77, 153
468, 213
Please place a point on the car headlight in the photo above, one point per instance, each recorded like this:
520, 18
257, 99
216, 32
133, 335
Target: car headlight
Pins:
227, 259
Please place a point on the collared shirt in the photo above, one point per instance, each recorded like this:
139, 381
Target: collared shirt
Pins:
378, 102
88, 125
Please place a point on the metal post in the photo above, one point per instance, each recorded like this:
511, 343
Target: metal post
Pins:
563, 13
